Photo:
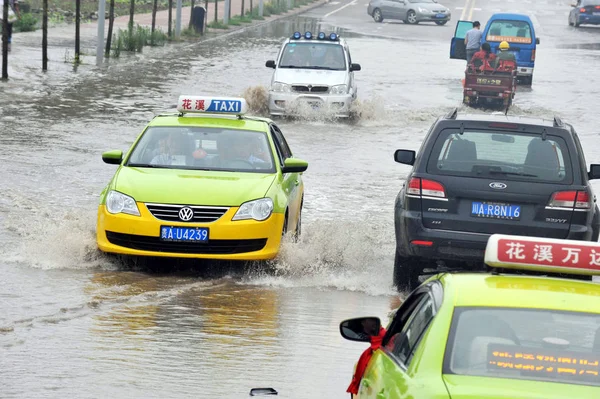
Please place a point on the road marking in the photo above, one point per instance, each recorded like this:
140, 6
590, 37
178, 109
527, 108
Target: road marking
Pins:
471, 12
341, 8
464, 13
334, 3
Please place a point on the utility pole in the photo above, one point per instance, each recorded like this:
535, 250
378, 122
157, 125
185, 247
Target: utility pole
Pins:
260, 8
45, 37
100, 42
178, 19
226, 11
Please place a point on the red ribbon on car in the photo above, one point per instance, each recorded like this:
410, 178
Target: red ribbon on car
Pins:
363, 361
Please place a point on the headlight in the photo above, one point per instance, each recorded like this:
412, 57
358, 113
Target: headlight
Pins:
280, 87
121, 203
339, 89
259, 209
424, 10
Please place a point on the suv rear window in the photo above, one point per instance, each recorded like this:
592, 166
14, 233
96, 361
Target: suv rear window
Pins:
493, 154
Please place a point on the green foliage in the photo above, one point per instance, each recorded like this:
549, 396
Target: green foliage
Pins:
217, 25
27, 23
134, 39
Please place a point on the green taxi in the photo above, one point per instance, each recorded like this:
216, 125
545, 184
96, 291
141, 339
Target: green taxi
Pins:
203, 182
501, 334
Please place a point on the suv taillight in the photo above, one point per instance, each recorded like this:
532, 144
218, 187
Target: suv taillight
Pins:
426, 188
570, 199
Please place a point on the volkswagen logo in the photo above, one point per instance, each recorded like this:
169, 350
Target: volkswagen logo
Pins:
186, 214
498, 185
309, 87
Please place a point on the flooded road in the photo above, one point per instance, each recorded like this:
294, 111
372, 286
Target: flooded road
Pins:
76, 323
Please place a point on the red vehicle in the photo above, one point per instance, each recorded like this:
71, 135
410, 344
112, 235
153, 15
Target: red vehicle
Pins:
487, 83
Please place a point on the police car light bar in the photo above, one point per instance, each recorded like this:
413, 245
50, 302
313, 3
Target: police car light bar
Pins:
212, 105
543, 254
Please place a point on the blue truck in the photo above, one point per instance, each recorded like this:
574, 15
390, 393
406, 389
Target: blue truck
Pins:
516, 29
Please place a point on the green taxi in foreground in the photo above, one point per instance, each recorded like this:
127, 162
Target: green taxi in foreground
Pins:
204, 182
497, 335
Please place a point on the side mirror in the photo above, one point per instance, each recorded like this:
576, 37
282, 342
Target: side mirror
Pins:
537, 40
113, 157
294, 165
360, 329
270, 64
406, 157
354, 67
594, 172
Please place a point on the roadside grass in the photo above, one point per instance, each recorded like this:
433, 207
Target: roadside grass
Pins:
134, 39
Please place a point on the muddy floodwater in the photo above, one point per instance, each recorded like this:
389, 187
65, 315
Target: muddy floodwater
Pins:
75, 323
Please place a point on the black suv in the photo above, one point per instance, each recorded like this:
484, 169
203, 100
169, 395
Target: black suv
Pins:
476, 175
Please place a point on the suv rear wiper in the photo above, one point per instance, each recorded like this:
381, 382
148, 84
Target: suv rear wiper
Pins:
501, 172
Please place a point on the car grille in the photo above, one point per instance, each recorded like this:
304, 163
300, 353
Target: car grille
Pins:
221, 247
439, 11
310, 89
202, 214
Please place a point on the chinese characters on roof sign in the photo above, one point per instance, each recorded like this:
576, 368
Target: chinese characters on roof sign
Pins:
535, 253
544, 362
215, 105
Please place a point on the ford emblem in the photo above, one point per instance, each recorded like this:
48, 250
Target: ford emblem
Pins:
498, 185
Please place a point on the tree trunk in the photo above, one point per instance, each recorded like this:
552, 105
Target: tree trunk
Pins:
251, 9
243, 6
77, 26
154, 8
5, 41
45, 37
170, 16
191, 14
131, 13
216, 7
111, 20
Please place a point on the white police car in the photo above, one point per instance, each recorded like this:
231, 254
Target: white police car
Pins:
313, 73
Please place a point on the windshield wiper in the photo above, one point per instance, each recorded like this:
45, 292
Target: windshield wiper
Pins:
501, 172
310, 67
143, 165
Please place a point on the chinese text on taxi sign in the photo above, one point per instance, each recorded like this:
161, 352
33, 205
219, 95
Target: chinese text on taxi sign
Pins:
543, 361
568, 255
213, 105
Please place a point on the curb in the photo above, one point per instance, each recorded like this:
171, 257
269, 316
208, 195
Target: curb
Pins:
238, 29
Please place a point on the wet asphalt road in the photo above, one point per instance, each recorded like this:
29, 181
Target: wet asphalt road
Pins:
74, 323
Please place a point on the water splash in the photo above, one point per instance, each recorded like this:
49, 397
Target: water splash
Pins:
344, 255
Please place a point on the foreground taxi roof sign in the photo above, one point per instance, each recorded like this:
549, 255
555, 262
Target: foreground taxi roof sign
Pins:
543, 254
212, 105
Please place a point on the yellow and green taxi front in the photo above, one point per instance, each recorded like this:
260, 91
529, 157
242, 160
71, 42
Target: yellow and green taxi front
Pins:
495, 335
205, 182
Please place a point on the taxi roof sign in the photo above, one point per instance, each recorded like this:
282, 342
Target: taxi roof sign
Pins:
212, 105
543, 254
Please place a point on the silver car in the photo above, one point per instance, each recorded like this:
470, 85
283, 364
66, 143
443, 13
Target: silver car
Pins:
409, 11
313, 73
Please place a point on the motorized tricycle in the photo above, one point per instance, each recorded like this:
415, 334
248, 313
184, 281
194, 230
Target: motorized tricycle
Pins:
490, 83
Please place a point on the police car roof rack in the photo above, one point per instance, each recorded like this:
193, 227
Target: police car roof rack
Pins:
452, 114
558, 122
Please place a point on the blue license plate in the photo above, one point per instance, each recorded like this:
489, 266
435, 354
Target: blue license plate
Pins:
495, 211
440, 16
193, 234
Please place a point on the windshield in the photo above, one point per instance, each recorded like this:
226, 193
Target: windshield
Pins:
525, 344
489, 154
313, 56
509, 31
203, 149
